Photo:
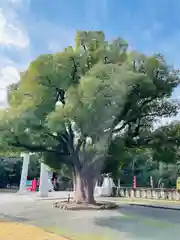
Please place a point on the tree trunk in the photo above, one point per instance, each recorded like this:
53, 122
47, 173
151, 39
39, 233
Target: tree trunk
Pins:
84, 188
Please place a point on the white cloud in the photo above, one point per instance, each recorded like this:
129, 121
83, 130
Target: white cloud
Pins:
17, 2
14, 36
3, 99
12, 32
8, 75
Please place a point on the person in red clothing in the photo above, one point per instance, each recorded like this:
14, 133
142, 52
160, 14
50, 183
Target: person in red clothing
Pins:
54, 181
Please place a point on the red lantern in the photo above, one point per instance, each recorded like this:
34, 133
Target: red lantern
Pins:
134, 182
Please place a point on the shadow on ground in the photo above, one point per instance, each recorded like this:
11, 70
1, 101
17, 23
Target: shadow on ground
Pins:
127, 222
7, 217
142, 223
165, 216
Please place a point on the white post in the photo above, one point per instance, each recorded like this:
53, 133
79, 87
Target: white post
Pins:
50, 184
44, 184
24, 173
151, 182
119, 183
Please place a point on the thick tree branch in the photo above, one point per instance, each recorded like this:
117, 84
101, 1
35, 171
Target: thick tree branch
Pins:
137, 115
60, 93
116, 130
74, 72
79, 144
29, 147
150, 140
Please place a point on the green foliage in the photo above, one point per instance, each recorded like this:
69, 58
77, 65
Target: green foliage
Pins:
107, 95
144, 162
10, 169
166, 143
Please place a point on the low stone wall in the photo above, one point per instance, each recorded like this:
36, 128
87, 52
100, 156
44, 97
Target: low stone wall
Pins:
147, 193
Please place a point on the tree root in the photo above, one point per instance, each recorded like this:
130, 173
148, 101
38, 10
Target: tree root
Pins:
72, 205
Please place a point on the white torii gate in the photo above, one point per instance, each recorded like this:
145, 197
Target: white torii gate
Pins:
44, 177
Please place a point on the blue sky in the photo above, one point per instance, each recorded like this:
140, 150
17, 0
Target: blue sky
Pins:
31, 27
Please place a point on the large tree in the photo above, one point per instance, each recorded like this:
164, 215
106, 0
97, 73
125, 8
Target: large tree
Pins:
105, 93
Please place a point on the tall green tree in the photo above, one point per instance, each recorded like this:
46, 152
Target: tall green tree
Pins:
105, 94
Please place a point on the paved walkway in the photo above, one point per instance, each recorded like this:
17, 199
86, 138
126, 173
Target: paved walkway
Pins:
152, 203
30, 197
128, 222
17, 231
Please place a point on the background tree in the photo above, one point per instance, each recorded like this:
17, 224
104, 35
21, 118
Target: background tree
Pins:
10, 170
106, 94
159, 159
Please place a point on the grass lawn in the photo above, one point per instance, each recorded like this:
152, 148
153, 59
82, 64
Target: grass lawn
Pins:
75, 236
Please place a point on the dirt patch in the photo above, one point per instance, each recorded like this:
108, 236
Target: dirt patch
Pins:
71, 205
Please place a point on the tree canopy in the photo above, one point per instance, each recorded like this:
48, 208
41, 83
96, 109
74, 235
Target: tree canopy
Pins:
106, 93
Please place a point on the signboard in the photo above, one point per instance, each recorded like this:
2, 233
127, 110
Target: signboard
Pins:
178, 183
28, 183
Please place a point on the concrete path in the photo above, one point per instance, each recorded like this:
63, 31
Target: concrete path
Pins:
31, 196
152, 203
128, 222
